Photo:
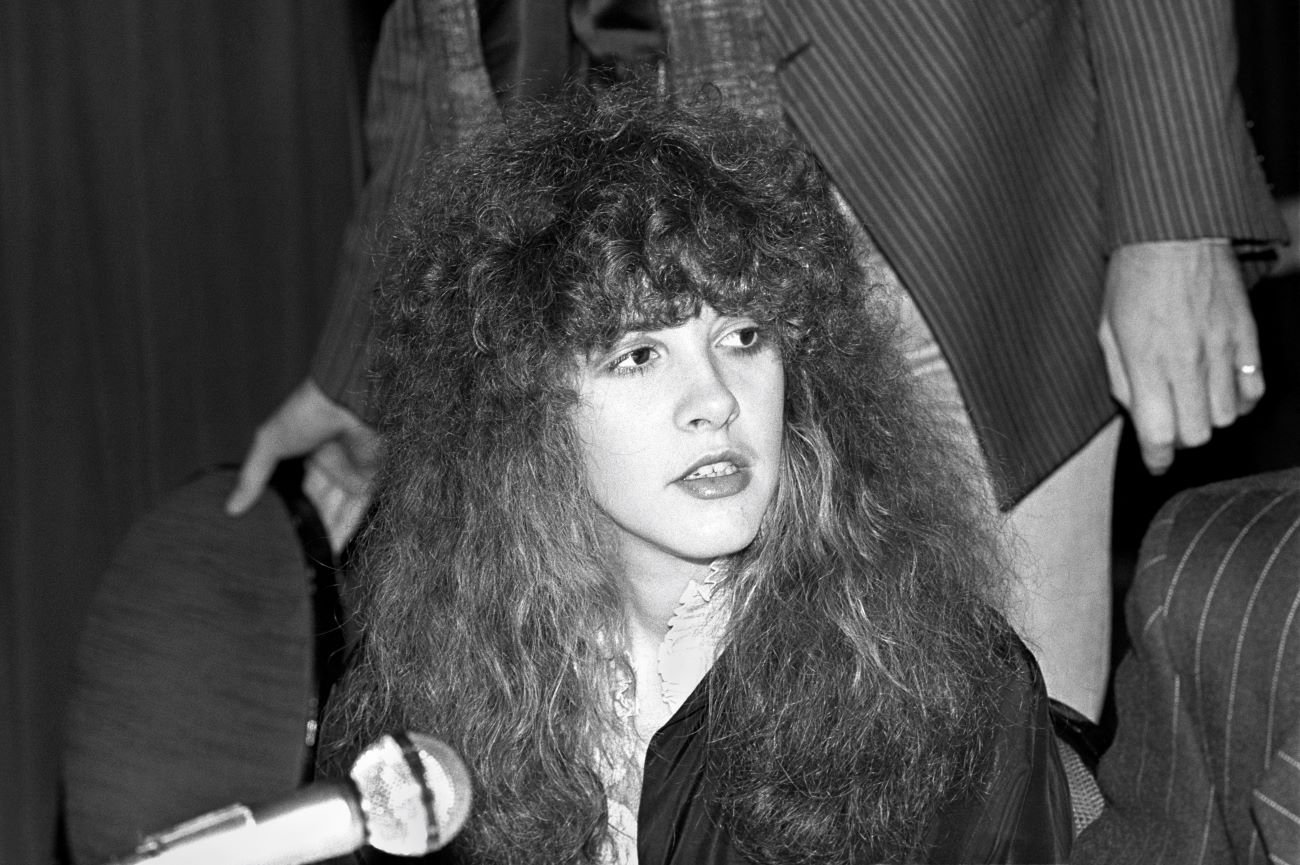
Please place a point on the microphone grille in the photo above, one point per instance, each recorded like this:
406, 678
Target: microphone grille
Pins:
414, 792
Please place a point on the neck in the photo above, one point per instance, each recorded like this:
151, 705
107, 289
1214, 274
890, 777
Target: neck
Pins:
652, 586
652, 591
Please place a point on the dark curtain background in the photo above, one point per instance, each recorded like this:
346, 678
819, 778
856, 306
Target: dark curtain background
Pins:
174, 178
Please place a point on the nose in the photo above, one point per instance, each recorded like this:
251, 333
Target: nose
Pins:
707, 400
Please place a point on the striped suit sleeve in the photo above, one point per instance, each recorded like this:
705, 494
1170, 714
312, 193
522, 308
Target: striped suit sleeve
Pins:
1179, 162
396, 134
1276, 803
429, 89
1208, 711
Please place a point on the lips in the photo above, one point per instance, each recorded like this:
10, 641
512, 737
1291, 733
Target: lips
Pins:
716, 476
716, 463
713, 470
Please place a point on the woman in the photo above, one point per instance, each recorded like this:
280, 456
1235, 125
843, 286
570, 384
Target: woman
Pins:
662, 545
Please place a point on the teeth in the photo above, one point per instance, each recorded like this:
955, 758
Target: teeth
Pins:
713, 470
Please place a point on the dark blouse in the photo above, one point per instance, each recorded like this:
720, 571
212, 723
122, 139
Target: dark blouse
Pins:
1021, 815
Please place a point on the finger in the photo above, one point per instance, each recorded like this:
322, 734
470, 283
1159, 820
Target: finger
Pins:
1250, 386
1151, 408
1155, 425
256, 470
338, 466
1119, 383
340, 506
1191, 404
1221, 384
1248, 374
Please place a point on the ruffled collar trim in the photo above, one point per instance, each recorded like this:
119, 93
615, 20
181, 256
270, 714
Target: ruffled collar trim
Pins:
690, 647
694, 637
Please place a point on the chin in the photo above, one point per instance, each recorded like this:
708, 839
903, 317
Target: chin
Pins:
715, 547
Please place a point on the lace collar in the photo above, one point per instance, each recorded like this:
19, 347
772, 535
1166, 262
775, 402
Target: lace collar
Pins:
689, 648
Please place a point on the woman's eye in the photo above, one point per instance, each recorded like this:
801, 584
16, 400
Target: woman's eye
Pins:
743, 337
634, 360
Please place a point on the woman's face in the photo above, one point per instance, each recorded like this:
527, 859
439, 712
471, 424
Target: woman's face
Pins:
682, 433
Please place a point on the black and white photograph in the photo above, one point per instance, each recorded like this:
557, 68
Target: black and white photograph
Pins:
650, 432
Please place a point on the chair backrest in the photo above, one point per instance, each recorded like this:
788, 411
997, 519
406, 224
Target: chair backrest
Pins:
198, 680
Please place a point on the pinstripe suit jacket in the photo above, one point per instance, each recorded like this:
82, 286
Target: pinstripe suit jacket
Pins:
996, 152
1205, 767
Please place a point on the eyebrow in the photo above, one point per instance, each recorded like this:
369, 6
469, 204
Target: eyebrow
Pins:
635, 329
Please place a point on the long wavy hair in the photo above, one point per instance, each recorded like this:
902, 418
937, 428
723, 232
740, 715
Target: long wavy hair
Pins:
865, 650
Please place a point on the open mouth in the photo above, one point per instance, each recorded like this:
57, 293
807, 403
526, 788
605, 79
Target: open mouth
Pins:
713, 470
717, 476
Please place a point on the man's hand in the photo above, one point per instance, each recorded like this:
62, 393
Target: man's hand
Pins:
1179, 341
344, 452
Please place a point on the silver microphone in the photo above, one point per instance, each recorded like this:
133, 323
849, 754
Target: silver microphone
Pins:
408, 794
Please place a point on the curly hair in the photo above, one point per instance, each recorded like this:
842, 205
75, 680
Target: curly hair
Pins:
865, 650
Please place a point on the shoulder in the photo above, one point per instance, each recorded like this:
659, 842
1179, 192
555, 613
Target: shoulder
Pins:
1022, 811
1201, 698
1211, 551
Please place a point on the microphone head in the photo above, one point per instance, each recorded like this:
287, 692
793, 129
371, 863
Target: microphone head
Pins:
414, 792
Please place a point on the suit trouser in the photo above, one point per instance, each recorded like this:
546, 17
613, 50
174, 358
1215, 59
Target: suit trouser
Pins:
1057, 539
